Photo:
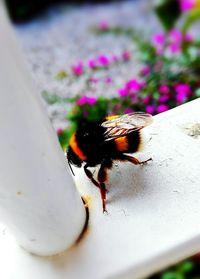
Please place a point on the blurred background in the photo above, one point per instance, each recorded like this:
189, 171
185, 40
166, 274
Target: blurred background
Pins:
21, 10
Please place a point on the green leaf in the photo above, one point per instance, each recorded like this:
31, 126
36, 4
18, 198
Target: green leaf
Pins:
197, 92
168, 12
186, 266
191, 18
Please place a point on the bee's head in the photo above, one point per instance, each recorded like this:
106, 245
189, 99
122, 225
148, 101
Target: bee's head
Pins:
73, 159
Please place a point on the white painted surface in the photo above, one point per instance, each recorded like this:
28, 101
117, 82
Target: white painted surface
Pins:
38, 200
153, 212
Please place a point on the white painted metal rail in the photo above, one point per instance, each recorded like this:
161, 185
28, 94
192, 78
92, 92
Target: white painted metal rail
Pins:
38, 200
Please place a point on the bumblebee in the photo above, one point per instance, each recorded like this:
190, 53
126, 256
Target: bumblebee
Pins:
102, 142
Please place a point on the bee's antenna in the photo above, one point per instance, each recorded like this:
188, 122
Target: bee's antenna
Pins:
70, 167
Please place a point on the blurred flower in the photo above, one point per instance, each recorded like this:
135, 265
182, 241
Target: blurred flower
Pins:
145, 71
150, 109
186, 5
146, 100
163, 98
162, 108
133, 85
126, 55
81, 101
159, 51
92, 64
103, 25
158, 39
175, 48
188, 38
128, 110
183, 91
59, 131
91, 100
108, 80
78, 69
164, 89
175, 36
86, 100
103, 60
123, 92
181, 97
115, 58
183, 88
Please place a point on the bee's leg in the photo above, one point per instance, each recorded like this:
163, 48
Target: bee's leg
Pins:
133, 160
90, 176
102, 178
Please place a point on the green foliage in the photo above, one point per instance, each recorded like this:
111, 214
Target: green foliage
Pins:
191, 18
168, 12
187, 269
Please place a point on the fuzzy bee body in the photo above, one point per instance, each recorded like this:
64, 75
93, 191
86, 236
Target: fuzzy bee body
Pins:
104, 141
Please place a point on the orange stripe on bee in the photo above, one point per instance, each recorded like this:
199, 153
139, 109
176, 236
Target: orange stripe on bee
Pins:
111, 117
122, 143
74, 145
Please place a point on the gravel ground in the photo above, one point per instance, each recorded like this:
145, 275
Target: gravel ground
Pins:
61, 37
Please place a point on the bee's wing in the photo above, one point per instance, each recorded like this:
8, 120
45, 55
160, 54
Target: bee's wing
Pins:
126, 124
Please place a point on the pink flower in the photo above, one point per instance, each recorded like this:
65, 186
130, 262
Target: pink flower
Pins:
175, 36
133, 85
82, 101
59, 131
181, 98
86, 100
126, 55
123, 92
103, 60
146, 100
186, 5
183, 88
103, 25
145, 71
128, 110
159, 51
91, 100
158, 39
115, 58
150, 109
78, 69
164, 89
188, 38
183, 91
162, 108
163, 98
175, 48
92, 64
108, 80
134, 99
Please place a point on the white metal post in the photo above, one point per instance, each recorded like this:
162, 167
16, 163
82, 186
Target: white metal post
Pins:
38, 200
